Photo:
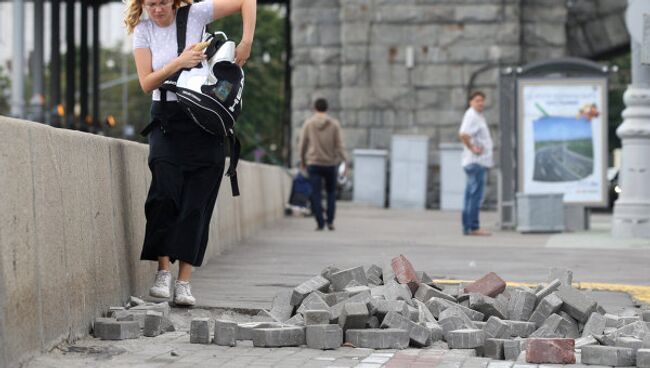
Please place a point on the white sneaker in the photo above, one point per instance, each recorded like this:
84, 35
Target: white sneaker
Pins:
161, 285
183, 293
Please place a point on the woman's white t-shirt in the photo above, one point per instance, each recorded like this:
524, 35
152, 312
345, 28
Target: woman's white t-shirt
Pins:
162, 40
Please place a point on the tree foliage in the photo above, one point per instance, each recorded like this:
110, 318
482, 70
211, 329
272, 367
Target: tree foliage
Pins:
5, 88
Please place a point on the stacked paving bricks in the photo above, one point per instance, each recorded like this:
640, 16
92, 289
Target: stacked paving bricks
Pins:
138, 318
395, 307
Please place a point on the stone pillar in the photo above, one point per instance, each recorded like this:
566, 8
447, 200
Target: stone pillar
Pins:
17, 67
632, 209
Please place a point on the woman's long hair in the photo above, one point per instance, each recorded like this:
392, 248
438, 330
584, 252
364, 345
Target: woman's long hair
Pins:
133, 12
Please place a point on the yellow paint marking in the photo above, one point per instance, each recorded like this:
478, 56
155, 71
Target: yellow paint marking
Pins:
639, 292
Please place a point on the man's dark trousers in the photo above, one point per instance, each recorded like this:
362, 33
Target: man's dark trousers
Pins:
317, 174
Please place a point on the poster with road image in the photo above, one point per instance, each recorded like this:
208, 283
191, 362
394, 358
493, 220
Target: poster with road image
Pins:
562, 138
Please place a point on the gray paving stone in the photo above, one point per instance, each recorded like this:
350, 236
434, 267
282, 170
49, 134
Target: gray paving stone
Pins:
328, 271
312, 302
607, 355
281, 306
438, 305
576, 303
354, 290
245, 330
111, 329
643, 358
426, 292
381, 307
629, 342
153, 324
436, 332
475, 363
585, 341
513, 348
341, 279
494, 364
296, 320
317, 317
354, 316
396, 291
595, 325
521, 328
549, 328
301, 291
338, 307
225, 333
330, 298
611, 320
378, 338
487, 305
424, 314
324, 336
419, 335
626, 320
373, 322
645, 315
497, 328
465, 339
162, 307
493, 348
521, 305
278, 337
568, 326
200, 331
375, 271
547, 306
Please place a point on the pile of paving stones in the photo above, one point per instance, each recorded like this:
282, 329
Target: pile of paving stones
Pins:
137, 318
395, 307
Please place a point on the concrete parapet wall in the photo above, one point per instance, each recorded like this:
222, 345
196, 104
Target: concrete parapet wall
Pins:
72, 225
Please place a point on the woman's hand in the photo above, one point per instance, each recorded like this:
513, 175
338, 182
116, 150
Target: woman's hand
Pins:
242, 53
189, 58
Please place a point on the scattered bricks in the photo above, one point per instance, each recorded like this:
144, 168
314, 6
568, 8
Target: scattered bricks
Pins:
200, 331
153, 324
496, 328
341, 279
568, 326
576, 303
521, 305
611, 320
426, 292
465, 339
513, 348
629, 342
245, 330
329, 298
521, 328
486, 305
586, 341
278, 337
317, 317
637, 329
490, 285
437, 305
390, 338
626, 320
296, 320
643, 358
494, 348
424, 314
395, 291
281, 307
645, 315
312, 302
455, 311
607, 355
382, 307
549, 328
548, 289
338, 307
451, 323
111, 329
420, 335
354, 290
339, 296
553, 351
301, 291
353, 316
324, 336
162, 307
373, 322
595, 325
546, 307
328, 271
405, 273
565, 276
414, 314
435, 331
225, 333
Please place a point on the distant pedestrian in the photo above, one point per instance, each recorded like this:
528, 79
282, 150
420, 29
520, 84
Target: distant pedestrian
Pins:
186, 163
476, 160
321, 151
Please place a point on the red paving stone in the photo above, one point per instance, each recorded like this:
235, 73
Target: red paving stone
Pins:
490, 285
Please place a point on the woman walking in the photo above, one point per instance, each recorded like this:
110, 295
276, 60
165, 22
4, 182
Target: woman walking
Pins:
186, 163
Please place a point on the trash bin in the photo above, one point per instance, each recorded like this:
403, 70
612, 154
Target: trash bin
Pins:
369, 177
409, 159
540, 212
452, 176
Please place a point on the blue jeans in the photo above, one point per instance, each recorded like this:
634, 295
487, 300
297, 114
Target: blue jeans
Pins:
317, 174
473, 196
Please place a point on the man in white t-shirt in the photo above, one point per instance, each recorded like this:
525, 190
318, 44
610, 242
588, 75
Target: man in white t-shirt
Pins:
476, 160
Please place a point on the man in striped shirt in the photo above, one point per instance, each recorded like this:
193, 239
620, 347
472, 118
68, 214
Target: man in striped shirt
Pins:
476, 160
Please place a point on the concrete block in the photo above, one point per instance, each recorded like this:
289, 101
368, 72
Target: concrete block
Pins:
426, 292
424, 314
375, 272
423, 277
626, 320
373, 322
638, 329
521, 305
568, 326
389, 338
341, 279
521, 328
465, 339
110, 329
329, 298
353, 316
381, 307
607, 355
200, 331
296, 320
645, 315
486, 305
281, 307
643, 358
312, 302
405, 273
585, 341
396, 291
245, 330
162, 307
435, 332
513, 348
494, 348
317, 317
438, 305
324, 336
611, 320
420, 335
338, 307
225, 333
354, 290
646, 342
301, 291
629, 342
328, 271
278, 337
414, 314
576, 303
456, 311
548, 289
387, 272
546, 307
475, 362
132, 315
549, 329
550, 351
595, 325
490, 285
496, 328
480, 324
153, 324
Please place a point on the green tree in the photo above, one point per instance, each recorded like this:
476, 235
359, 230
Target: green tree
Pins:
5, 87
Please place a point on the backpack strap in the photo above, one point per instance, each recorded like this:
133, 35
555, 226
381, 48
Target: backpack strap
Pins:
182, 14
235, 151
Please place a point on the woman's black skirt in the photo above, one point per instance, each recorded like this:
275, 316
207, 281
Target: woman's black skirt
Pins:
187, 165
